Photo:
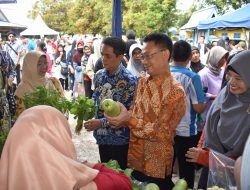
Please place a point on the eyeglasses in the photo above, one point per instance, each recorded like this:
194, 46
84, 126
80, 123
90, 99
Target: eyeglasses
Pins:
150, 56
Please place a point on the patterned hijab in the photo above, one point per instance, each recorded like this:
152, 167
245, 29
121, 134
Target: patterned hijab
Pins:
228, 119
39, 154
30, 77
213, 58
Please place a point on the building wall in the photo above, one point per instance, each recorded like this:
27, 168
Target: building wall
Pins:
231, 33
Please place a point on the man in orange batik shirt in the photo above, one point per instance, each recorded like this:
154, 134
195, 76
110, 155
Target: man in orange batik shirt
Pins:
158, 106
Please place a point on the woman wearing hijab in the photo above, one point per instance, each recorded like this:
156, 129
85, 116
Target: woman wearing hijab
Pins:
227, 127
196, 64
35, 66
41, 46
90, 67
135, 65
39, 154
77, 64
212, 75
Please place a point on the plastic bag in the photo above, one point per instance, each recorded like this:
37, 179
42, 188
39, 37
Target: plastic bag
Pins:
221, 171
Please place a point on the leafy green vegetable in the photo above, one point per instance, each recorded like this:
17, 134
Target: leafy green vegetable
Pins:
43, 96
113, 164
82, 108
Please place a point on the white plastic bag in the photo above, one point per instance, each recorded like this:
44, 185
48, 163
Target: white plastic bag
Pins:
221, 171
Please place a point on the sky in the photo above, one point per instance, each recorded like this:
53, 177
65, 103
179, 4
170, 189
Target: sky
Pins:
183, 4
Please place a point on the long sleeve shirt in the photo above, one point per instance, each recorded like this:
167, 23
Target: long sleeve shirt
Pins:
119, 86
157, 109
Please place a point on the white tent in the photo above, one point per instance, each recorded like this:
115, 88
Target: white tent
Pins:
38, 27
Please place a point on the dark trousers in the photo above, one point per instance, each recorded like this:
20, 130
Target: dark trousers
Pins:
87, 88
18, 74
71, 81
114, 152
186, 169
164, 184
203, 178
64, 83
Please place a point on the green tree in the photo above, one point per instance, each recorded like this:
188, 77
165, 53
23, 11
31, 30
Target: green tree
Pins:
91, 16
148, 16
95, 16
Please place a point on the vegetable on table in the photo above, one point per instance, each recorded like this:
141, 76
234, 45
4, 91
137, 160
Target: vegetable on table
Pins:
136, 185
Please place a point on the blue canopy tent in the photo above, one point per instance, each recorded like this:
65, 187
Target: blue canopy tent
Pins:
237, 19
117, 18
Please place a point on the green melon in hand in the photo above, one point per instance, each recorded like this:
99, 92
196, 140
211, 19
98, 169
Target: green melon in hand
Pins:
110, 107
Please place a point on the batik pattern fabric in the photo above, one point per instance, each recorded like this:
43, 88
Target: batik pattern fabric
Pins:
7, 70
158, 108
119, 86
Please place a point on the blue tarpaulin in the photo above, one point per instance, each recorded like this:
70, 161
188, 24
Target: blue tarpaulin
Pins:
237, 19
117, 18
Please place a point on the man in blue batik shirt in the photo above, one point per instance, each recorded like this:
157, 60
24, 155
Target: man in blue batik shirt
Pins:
117, 83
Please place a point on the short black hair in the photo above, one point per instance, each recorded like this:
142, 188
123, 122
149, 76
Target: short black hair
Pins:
116, 43
161, 40
130, 34
42, 46
181, 51
11, 32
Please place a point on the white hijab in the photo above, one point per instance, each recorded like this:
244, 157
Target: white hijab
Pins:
132, 66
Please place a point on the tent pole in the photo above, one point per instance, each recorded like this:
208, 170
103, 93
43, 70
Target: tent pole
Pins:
208, 34
248, 38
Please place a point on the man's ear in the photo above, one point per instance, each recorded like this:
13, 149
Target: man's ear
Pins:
166, 54
120, 57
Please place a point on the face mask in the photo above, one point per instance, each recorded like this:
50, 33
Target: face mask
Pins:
80, 50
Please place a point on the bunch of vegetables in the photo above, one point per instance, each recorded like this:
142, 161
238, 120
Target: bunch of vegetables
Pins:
113, 164
82, 108
43, 96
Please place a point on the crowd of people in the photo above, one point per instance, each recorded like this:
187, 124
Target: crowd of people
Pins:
178, 102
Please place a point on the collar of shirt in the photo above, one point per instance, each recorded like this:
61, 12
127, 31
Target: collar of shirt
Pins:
119, 68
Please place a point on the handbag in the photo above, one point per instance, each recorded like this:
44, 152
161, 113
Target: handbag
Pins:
64, 68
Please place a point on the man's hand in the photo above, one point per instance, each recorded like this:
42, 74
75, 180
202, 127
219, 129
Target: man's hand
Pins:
92, 124
121, 119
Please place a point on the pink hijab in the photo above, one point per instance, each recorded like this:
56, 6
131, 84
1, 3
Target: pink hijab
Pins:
39, 154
